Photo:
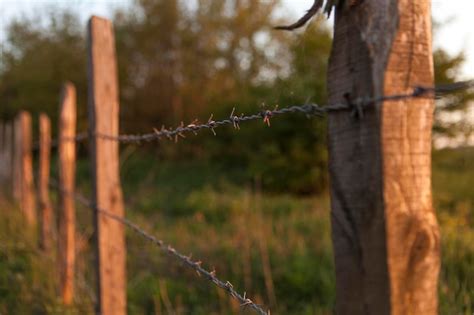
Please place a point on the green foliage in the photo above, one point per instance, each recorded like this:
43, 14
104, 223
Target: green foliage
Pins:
27, 281
447, 70
40, 56
453, 179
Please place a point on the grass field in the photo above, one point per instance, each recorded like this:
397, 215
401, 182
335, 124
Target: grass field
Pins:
277, 248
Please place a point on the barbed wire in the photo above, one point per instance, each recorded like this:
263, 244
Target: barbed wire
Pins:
357, 106
168, 249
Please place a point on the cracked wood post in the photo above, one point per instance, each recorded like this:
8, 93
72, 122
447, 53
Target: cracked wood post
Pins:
107, 192
66, 211
384, 228
24, 186
46, 211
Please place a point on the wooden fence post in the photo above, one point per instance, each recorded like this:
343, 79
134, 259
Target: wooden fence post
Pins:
107, 192
46, 211
24, 157
8, 156
67, 176
3, 166
385, 234
16, 165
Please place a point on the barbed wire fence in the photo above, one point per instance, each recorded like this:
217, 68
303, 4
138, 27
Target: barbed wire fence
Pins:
355, 107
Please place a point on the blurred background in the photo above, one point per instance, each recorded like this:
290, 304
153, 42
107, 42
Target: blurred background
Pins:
252, 203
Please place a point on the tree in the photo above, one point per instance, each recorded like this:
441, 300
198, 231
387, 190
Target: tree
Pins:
447, 70
189, 58
40, 55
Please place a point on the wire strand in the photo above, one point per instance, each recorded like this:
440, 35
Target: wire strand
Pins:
168, 249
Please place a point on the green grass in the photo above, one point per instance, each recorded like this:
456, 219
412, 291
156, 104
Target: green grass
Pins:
453, 186
277, 248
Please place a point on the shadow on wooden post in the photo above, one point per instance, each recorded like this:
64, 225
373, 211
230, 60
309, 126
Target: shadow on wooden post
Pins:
107, 191
66, 211
46, 211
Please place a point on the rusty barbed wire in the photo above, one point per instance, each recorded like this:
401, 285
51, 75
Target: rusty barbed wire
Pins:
356, 106
169, 250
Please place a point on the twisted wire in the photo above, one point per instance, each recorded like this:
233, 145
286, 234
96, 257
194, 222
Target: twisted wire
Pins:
356, 106
168, 249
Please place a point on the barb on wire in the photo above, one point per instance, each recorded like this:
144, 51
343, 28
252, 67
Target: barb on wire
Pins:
168, 249
356, 106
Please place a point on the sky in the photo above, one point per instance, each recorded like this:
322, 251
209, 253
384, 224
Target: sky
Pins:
457, 33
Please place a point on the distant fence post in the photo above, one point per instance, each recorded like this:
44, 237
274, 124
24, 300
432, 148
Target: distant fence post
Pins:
3, 166
7, 154
67, 176
107, 193
384, 229
16, 165
46, 211
24, 184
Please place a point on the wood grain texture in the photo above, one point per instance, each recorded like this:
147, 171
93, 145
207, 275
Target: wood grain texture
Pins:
67, 176
412, 231
46, 210
379, 165
107, 193
24, 154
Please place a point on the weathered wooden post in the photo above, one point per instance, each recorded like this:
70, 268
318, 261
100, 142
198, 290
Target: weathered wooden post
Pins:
67, 176
46, 211
24, 182
385, 233
107, 192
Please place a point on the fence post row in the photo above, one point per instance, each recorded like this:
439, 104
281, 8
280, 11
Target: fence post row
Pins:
46, 211
385, 235
103, 108
67, 169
